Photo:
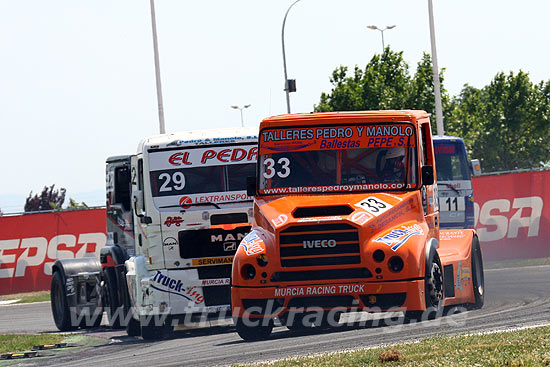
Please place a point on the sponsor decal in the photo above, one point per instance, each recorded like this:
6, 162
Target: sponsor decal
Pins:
319, 243
319, 290
173, 220
252, 244
398, 236
445, 235
164, 283
337, 137
374, 205
213, 261
185, 200
280, 220
170, 242
463, 275
199, 157
361, 217
211, 282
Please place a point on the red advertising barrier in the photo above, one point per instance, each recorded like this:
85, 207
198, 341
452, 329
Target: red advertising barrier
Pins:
512, 215
30, 243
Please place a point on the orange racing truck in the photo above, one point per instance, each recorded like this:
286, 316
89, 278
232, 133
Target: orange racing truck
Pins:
347, 219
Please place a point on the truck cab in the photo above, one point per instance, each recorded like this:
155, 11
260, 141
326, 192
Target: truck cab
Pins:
347, 218
176, 213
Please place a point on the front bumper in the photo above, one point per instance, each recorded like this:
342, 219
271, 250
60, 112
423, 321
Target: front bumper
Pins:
259, 302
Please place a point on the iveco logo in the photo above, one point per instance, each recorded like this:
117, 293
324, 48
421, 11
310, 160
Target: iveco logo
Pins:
319, 243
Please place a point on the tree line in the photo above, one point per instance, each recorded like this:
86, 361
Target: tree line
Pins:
506, 124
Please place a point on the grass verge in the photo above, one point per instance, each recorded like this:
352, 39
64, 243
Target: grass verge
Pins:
14, 343
27, 297
528, 347
517, 263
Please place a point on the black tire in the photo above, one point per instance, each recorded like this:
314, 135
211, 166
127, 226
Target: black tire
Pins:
150, 331
133, 328
478, 277
433, 289
112, 301
60, 307
251, 333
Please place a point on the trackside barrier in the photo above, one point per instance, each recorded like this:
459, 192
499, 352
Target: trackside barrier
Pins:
30, 244
512, 215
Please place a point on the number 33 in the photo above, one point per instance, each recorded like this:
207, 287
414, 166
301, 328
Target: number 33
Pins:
270, 168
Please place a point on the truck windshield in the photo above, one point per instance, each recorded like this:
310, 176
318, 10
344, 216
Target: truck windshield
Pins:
451, 160
362, 157
201, 175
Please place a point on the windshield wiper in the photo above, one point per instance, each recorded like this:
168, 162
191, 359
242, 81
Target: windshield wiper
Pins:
450, 186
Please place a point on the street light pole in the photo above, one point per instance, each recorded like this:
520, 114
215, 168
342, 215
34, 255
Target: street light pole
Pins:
287, 86
241, 109
375, 28
435, 70
157, 69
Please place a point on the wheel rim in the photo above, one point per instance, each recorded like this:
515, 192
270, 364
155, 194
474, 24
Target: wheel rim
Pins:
435, 284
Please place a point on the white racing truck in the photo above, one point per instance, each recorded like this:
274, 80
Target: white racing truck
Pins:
176, 212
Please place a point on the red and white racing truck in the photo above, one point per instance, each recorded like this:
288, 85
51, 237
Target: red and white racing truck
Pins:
176, 212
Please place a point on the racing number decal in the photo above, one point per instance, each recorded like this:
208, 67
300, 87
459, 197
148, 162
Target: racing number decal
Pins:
177, 178
270, 168
453, 204
374, 205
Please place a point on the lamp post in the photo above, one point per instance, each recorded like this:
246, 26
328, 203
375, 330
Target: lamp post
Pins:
157, 69
375, 28
290, 85
241, 109
435, 71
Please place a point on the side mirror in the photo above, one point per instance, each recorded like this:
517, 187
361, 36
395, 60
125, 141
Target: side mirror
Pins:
251, 185
139, 206
476, 167
427, 175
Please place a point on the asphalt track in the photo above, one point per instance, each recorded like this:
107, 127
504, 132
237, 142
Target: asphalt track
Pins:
515, 297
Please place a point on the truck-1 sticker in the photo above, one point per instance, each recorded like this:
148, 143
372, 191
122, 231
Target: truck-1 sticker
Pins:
280, 220
398, 236
361, 217
173, 220
252, 244
374, 205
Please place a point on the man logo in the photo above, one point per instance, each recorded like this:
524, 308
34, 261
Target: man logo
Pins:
319, 243
230, 246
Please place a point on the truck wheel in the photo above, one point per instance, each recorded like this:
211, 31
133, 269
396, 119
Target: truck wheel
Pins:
153, 332
251, 333
478, 278
60, 307
112, 303
133, 328
433, 288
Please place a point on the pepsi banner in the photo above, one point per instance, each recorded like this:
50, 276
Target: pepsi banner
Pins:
30, 244
512, 215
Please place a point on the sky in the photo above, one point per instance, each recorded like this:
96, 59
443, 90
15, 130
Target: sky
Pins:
77, 80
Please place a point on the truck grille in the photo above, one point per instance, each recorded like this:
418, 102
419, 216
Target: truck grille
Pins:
319, 244
210, 242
